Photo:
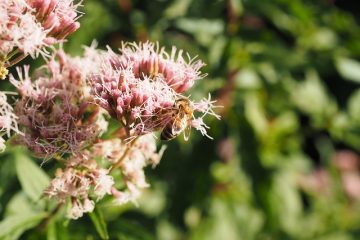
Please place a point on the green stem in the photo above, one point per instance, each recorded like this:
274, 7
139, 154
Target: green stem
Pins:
16, 60
10, 55
121, 159
43, 224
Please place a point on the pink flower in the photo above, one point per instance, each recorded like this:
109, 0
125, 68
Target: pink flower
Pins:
81, 179
78, 208
69, 183
2, 144
27, 26
8, 120
111, 149
351, 184
130, 159
53, 108
120, 196
103, 183
57, 17
147, 59
140, 87
19, 28
141, 154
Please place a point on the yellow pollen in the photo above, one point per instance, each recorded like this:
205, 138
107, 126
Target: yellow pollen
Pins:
3, 72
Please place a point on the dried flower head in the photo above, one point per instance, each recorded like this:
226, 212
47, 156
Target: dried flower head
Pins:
53, 109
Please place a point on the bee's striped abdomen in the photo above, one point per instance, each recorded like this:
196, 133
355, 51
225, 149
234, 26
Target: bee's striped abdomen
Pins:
167, 134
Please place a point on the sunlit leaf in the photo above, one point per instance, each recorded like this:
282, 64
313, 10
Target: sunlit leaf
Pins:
203, 29
32, 178
13, 226
247, 78
255, 114
217, 50
178, 8
354, 106
100, 225
19, 204
348, 68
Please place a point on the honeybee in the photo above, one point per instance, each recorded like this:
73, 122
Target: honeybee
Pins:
181, 115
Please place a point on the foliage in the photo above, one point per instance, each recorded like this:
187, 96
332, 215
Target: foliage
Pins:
286, 74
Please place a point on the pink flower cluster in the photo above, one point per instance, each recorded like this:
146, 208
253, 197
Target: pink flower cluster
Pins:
64, 109
148, 60
27, 26
52, 108
57, 17
80, 179
8, 120
131, 162
320, 182
140, 86
83, 179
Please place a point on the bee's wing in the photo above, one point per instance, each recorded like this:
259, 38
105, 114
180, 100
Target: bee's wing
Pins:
178, 123
177, 126
187, 132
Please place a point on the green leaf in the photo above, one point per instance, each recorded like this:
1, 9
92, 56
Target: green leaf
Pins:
203, 30
217, 50
32, 178
354, 107
247, 78
348, 69
255, 113
285, 201
311, 97
98, 220
18, 204
12, 227
93, 25
177, 9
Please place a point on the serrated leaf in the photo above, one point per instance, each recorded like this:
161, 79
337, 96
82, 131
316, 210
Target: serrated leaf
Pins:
100, 225
12, 227
32, 178
348, 69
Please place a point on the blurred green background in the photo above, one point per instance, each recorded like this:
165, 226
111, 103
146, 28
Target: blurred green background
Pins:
284, 162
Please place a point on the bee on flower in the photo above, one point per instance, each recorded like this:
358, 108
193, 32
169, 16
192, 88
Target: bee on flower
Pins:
64, 109
142, 88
